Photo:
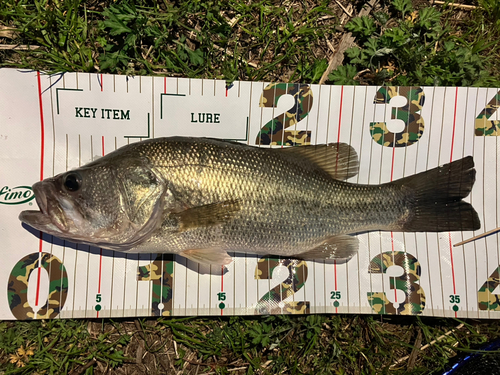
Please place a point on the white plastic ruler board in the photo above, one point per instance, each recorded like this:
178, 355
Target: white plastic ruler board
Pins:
53, 123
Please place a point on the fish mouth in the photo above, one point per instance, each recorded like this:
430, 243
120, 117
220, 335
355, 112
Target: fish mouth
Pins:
50, 217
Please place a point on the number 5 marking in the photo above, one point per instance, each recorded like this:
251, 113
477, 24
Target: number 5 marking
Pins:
414, 302
414, 123
274, 133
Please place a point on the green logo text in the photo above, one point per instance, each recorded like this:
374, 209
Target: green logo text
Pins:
16, 195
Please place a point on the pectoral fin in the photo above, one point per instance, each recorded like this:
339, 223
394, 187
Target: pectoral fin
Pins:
208, 256
207, 215
334, 248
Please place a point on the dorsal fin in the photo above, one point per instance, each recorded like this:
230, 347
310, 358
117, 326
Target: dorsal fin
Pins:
339, 160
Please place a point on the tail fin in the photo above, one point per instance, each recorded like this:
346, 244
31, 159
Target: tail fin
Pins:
437, 198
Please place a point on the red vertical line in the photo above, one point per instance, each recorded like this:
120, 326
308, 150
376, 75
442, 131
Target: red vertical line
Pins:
392, 233
357, 177
226, 91
317, 114
53, 171
100, 268
340, 122
336, 165
101, 83
42, 148
100, 250
249, 114
484, 188
451, 158
284, 116
222, 285
335, 274
454, 123
340, 111
261, 112
365, 116
426, 236
272, 135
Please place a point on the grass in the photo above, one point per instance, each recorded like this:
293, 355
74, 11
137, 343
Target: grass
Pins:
342, 344
400, 42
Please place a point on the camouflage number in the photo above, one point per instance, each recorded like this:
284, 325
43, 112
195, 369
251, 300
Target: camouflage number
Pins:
274, 133
485, 298
270, 302
414, 302
485, 126
161, 273
414, 123
17, 286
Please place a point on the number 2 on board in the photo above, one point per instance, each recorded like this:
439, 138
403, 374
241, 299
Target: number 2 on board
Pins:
273, 132
270, 302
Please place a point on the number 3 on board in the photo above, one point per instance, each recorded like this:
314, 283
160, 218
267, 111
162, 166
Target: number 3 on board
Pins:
486, 299
485, 126
414, 302
414, 123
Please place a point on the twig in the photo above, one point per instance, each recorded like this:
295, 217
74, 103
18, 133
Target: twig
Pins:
229, 370
343, 8
82, 369
346, 42
330, 45
20, 47
7, 32
254, 65
359, 74
139, 329
414, 353
478, 237
324, 18
147, 53
461, 6
428, 345
175, 350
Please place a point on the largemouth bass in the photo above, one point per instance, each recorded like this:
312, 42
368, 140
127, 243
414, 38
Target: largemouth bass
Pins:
201, 198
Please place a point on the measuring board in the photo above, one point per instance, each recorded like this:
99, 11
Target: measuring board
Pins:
53, 123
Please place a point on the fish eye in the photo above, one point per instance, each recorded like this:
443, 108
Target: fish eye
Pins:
72, 181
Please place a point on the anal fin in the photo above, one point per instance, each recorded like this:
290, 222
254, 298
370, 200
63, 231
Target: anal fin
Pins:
341, 247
